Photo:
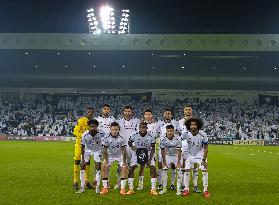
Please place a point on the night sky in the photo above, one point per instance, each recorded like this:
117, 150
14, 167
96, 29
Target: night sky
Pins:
153, 16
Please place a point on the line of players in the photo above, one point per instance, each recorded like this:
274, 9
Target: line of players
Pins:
182, 147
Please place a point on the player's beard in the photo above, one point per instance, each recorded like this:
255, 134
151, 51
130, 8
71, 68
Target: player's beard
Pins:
194, 131
143, 134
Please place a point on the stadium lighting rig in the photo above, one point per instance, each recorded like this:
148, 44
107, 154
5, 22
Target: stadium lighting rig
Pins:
107, 20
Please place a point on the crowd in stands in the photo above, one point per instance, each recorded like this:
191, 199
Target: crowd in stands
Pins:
222, 120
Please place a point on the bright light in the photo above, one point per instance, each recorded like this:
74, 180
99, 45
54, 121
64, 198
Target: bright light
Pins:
108, 20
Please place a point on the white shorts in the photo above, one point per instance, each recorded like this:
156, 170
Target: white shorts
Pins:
96, 155
135, 162
189, 163
171, 159
113, 159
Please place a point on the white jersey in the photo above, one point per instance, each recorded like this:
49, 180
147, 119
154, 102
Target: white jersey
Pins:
195, 143
127, 127
181, 126
104, 123
92, 143
162, 126
152, 129
114, 145
171, 145
142, 142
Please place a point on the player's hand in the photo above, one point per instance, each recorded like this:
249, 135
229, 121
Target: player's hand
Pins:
178, 165
105, 162
149, 162
204, 163
124, 165
164, 165
82, 163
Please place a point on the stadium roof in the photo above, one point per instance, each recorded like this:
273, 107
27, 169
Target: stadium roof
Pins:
245, 68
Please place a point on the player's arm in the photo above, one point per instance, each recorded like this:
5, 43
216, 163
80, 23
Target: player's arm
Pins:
205, 152
163, 153
105, 151
82, 154
124, 154
78, 129
178, 152
152, 152
131, 144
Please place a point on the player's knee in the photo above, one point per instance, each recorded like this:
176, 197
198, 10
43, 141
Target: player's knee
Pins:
98, 165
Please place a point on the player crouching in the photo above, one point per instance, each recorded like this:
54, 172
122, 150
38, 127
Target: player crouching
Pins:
143, 146
171, 157
114, 149
91, 146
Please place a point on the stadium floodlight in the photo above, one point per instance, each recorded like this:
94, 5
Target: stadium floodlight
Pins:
108, 20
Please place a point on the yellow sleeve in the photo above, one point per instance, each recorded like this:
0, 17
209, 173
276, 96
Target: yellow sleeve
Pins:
80, 127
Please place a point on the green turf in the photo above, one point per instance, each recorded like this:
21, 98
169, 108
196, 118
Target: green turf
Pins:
41, 173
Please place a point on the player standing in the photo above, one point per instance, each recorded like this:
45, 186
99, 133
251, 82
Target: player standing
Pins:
80, 128
197, 153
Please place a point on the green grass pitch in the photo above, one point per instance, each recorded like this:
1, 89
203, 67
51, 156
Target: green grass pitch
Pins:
41, 173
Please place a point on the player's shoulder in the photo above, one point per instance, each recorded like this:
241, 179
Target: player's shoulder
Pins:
85, 134
202, 133
82, 120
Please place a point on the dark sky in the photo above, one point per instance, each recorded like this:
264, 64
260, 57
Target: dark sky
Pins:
152, 16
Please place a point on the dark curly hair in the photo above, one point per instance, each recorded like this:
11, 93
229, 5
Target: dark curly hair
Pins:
198, 121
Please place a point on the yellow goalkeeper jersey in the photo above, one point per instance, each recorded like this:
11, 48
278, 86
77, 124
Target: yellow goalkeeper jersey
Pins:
80, 128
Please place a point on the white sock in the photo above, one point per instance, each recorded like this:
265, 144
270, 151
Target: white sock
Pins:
205, 180
131, 183
153, 183
186, 180
179, 178
105, 183
82, 180
195, 177
98, 177
172, 176
123, 183
165, 178
182, 178
159, 176
141, 180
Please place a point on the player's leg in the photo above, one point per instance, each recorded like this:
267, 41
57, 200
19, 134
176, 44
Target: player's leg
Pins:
123, 172
173, 175
86, 176
164, 180
160, 167
131, 177
97, 159
188, 166
179, 181
153, 177
183, 173
76, 165
82, 173
141, 177
105, 176
195, 178
118, 173
205, 180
